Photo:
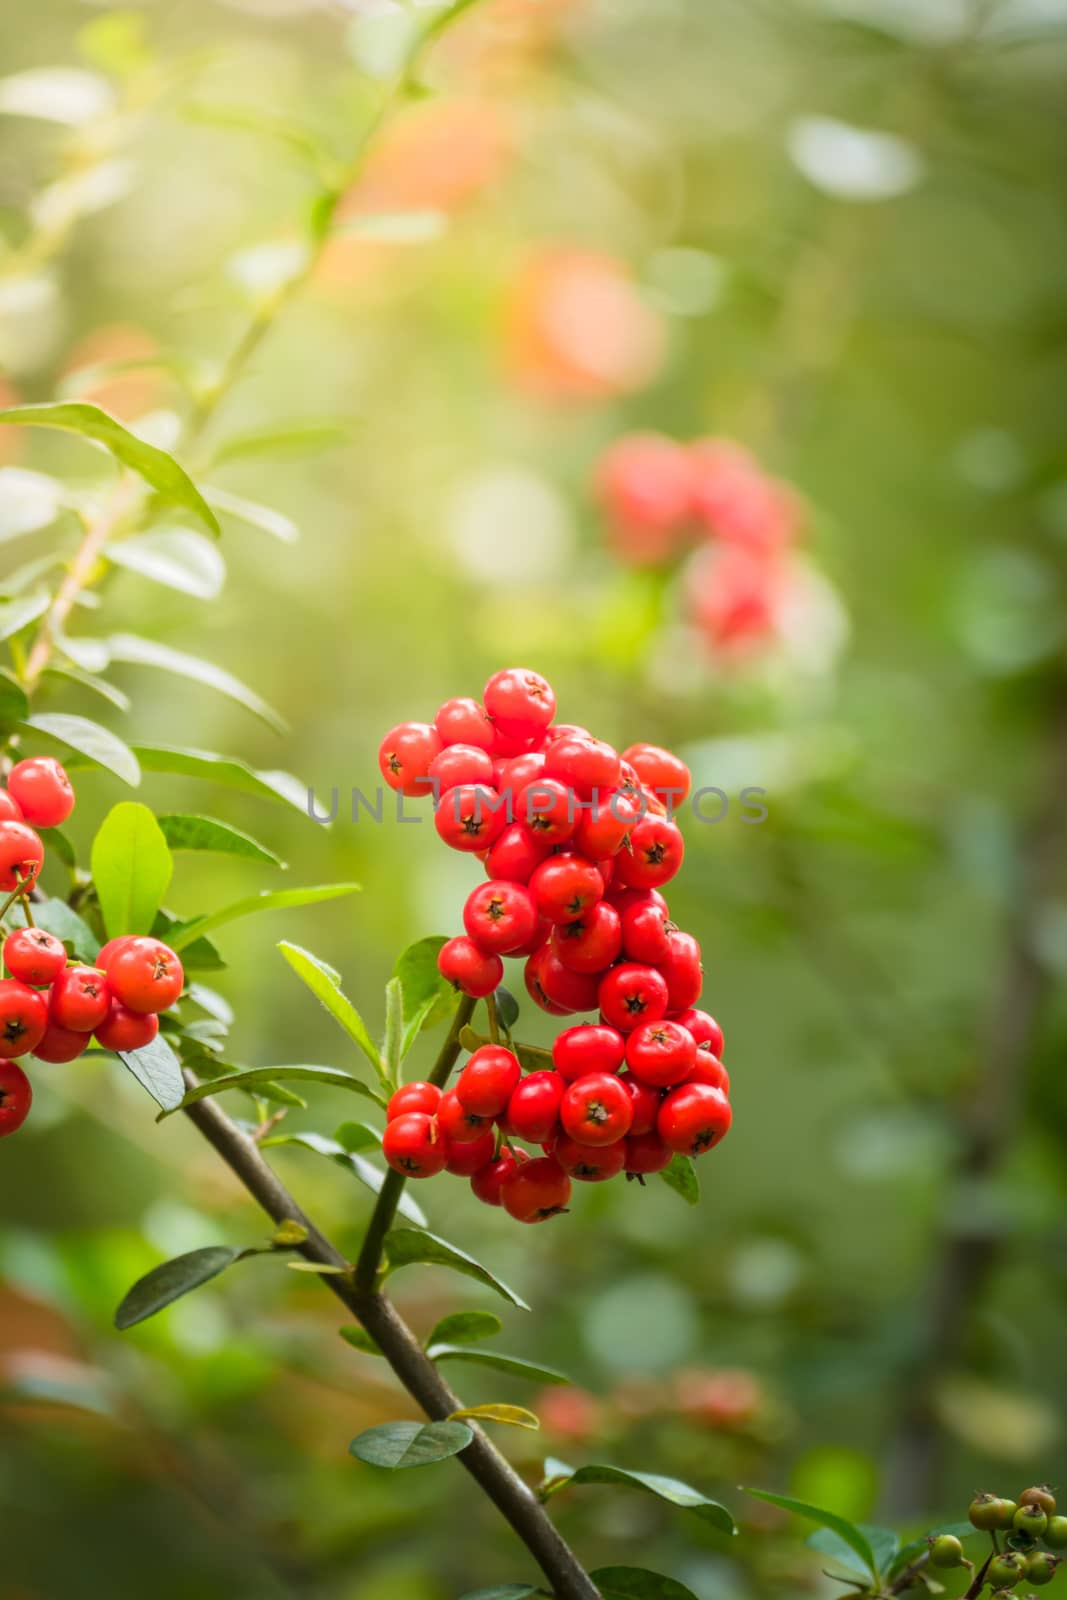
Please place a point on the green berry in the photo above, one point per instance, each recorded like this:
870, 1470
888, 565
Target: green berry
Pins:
1031, 1520
1056, 1533
946, 1551
1005, 1571
989, 1511
1041, 1567
1041, 1496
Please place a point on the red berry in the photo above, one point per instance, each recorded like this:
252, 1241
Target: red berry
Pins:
500, 917
548, 809
623, 898
459, 1125
655, 853
471, 817
556, 988
565, 886
537, 939
465, 721
145, 975
661, 771
536, 1190
661, 1053
513, 775
645, 933
23, 1018
605, 828
646, 1103
414, 1145
470, 969
489, 1180
80, 999
16, 1097
588, 767
709, 1069
126, 1030
632, 993
470, 1156
42, 790
60, 1044
591, 942
34, 956
516, 854
587, 1164
405, 754
507, 746
10, 810
424, 1097
113, 946
519, 701
591, 1047
597, 1109
646, 1152
682, 970
461, 764
644, 483
705, 1029
488, 1080
21, 856
565, 730
693, 1118
533, 1110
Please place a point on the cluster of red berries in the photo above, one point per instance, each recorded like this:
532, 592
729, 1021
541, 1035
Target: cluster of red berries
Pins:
662, 499
51, 1007
577, 842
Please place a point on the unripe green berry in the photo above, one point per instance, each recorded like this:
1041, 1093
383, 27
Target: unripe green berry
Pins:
1056, 1533
1041, 1567
990, 1512
1005, 1571
1031, 1520
1042, 1496
946, 1551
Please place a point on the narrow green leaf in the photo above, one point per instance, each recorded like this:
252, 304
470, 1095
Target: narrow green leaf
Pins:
133, 650
177, 558
223, 769
268, 900
200, 956
853, 1537
295, 438
325, 986
89, 680
410, 1444
636, 1583
168, 1282
465, 1327
356, 1136
157, 1069
28, 501
669, 1489
188, 831
513, 1416
99, 746
514, 1365
884, 1542
681, 1176
55, 916
155, 466
14, 706
360, 1340
132, 868
365, 1172
18, 614
392, 1040
406, 1246
428, 998
265, 518
251, 1076
505, 1591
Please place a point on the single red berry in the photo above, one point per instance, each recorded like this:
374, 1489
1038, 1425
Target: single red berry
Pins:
80, 998
461, 764
693, 1118
588, 767
21, 856
42, 790
489, 1180
10, 810
533, 1110
23, 1018
591, 942
519, 701
548, 809
646, 1152
591, 1047
145, 975
632, 993
111, 948
470, 1156
470, 969
471, 817
459, 1125
604, 829
661, 771
414, 1145
661, 1053
655, 853
514, 773
508, 746
16, 1097
646, 1102
516, 854
60, 1044
645, 929
682, 969
34, 955
465, 721
622, 898
488, 1081
565, 886
500, 917
540, 936
126, 1030
565, 730
596, 1110
556, 988
704, 1028
405, 754
536, 1190
424, 1097
587, 1164
709, 1069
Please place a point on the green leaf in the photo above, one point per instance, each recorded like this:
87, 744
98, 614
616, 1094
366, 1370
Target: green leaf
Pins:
88, 680
406, 1246
130, 648
514, 1365
848, 1532
356, 1136
188, 831
513, 1416
395, 227
132, 868
60, 846
251, 1076
360, 1340
268, 900
200, 956
178, 558
288, 439
636, 1583
18, 614
325, 986
681, 1176
410, 1444
170, 481
428, 998
365, 1172
225, 770
55, 916
168, 1282
505, 1591
392, 1042
669, 1489
28, 501
884, 1542
157, 1069
99, 746
507, 1007
14, 706
465, 1327
265, 518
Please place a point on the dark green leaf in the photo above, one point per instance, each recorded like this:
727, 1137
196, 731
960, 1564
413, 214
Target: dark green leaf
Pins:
178, 558
157, 1069
507, 1007
883, 1541
681, 1176
325, 986
669, 1489
636, 1583
130, 648
848, 1532
59, 846
406, 1246
14, 706
410, 1444
269, 900
131, 867
223, 769
360, 1340
18, 614
155, 466
98, 745
515, 1365
428, 998
251, 1076
56, 917
365, 1172
168, 1282
184, 831
465, 1327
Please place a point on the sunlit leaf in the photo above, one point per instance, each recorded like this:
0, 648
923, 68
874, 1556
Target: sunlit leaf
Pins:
251, 905
18, 614
465, 1327
392, 1040
296, 438
178, 558
135, 651
360, 1340
132, 867
427, 997
97, 745
410, 1444
325, 986
250, 1076
406, 1246
851, 1535
28, 501
168, 1282
184, 831
265, 518
225, 770
512, 1416
681, 1176
68, 95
